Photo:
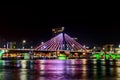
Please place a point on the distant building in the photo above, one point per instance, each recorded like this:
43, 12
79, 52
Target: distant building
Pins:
2, 43
56, 31
108, 48
117, 49
96, 49
12, 45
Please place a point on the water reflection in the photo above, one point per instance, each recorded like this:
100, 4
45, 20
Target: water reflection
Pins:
82, 69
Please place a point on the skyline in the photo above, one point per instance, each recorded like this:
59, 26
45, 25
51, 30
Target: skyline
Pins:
89, 29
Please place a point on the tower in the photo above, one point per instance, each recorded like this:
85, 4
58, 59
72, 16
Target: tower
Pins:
56, 31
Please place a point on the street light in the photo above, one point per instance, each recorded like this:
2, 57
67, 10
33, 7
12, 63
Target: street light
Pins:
31, 47
4, 46
119, 46
23, 43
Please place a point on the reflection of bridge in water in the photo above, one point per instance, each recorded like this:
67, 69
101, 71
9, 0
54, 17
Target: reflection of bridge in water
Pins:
60, 44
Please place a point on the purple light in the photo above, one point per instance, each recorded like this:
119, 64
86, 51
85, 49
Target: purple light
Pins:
56, 43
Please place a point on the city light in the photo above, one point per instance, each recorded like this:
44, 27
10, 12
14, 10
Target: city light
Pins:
24, 41
119, 45
23, 44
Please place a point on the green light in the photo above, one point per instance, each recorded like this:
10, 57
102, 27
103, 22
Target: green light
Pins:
113, 56
62, 57
97, 55
107, 56
118, 56
14, 47
1, 52
26, 56
119, 45
1, 70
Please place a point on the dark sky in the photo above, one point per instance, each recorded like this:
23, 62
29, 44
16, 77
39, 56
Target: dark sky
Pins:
34, 22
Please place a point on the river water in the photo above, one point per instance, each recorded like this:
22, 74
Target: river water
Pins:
81, 69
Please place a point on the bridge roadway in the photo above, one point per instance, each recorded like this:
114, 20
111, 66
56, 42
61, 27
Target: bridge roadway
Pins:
14, 53
45, 51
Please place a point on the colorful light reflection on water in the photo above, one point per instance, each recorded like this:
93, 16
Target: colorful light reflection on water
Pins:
81, 69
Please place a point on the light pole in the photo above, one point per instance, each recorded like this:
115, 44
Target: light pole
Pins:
23, 43
4, 46
119, 46
31, 47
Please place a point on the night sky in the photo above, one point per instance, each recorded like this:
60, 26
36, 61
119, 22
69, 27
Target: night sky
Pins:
33, 22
